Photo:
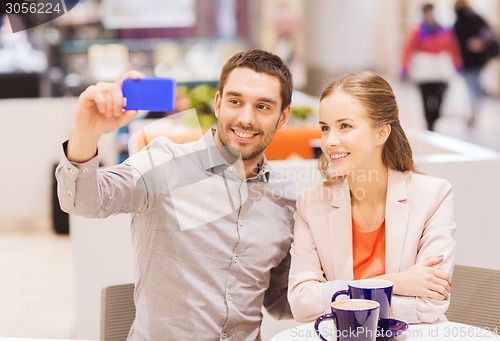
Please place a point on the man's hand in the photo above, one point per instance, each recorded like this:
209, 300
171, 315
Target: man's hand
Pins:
100, 111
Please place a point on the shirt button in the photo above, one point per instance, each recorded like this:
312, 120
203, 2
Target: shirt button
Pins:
70, 193
224, 335
85, 170
236, 259
72, 171
230, 168
229, 297
241, 223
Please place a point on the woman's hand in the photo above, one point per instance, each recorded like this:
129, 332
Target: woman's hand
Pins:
422, 280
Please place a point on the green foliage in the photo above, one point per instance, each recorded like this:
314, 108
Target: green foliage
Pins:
301, 111
201, 98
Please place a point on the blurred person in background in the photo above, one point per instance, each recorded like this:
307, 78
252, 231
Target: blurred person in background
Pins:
478, 46
431, 57
288, 45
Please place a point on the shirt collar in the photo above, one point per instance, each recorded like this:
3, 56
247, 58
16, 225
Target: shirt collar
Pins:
264, 171
213, 160
429, 30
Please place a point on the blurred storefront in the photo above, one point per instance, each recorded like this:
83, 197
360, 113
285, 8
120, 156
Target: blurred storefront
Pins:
190, 39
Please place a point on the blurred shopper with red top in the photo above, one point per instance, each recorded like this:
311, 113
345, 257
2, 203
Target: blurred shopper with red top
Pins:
431, 57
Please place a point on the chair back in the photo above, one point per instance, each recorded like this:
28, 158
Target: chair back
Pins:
475, 297
118, 312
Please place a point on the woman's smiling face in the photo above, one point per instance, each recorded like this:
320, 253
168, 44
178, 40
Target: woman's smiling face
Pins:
349, 140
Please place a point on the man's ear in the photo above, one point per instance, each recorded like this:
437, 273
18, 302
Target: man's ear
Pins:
285, 115
217, 101
384, 132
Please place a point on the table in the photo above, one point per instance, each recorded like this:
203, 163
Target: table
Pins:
433, 332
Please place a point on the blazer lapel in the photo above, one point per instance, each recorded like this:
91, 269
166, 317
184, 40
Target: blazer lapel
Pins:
396, 219
340, 227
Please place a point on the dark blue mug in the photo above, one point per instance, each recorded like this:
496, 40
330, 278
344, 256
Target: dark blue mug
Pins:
353, 320
370, 289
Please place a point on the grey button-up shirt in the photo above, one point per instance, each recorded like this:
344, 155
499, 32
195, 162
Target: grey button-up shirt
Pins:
210, 247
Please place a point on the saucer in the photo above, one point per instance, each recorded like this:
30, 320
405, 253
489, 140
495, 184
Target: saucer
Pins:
390, 327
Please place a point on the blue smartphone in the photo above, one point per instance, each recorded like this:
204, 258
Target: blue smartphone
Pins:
153, 94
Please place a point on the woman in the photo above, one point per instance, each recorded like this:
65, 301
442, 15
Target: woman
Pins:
374, 216
430, 58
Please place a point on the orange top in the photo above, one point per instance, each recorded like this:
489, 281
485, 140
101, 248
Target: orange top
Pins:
368, 251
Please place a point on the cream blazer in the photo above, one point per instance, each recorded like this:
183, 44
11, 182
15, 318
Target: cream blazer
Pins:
419, 224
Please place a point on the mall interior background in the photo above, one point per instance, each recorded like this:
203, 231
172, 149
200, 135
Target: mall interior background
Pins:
329, 37
42, 70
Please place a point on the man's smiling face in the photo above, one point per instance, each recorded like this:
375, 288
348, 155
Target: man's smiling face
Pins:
249, 113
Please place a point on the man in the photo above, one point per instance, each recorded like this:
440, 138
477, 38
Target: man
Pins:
211, 222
